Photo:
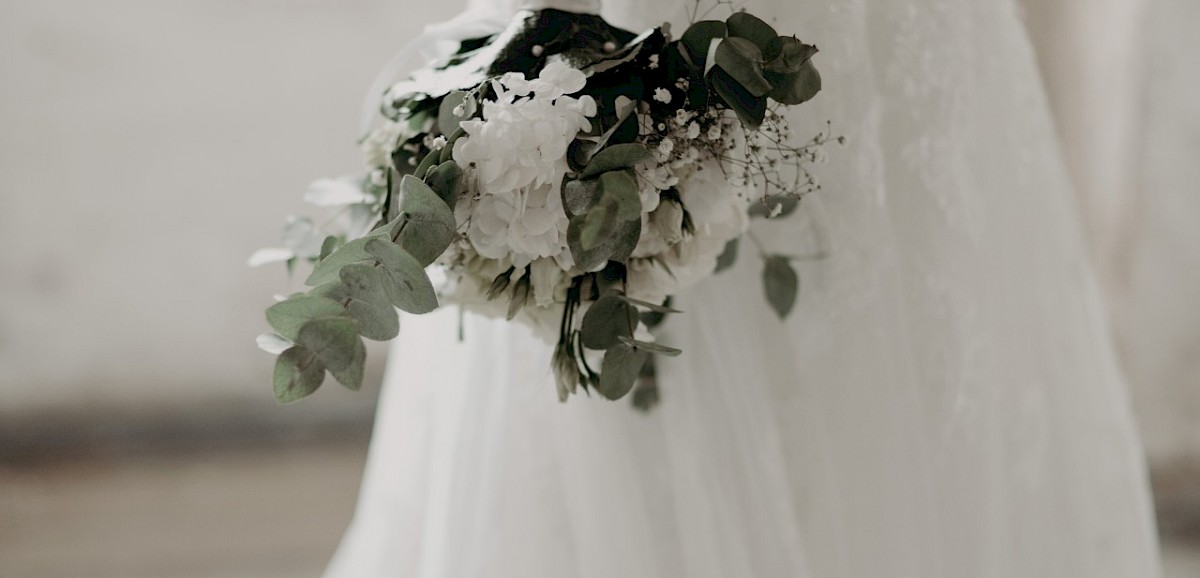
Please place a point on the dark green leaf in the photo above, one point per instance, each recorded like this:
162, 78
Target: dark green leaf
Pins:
444, 179
623, 190
750, 27
298, 374
616, 244
750, 109
618, 156
729, 256
743, 61
334, 340
697, 38
286, 317
781, 284
405, 282
791, 73
620, 370
651, 347
606, 321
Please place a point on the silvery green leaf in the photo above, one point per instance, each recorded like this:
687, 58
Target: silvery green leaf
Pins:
743, 61
791, 72
447, 120
288, 316
615, 157
620, 369
368, 302
352, 375
729, 256
405, 282
428, 225
334, 193
650, 346
334, 341
269, 255
750, 27
447, 152
580, 195
297, 374
620, 186
328, 245
328, 269
781, 284
272, 343
606, 321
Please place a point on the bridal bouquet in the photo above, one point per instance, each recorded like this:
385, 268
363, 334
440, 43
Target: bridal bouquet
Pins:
563, 174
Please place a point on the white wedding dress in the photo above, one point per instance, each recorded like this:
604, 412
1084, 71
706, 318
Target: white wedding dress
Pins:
943, 402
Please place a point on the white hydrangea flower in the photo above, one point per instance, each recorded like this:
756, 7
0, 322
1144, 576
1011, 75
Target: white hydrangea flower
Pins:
515, 158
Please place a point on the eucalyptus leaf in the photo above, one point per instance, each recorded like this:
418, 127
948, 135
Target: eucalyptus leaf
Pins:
288, 316
793, 76
334, 341
520, 296
623, 190
431, 159
743, 61
781, 284
327, 269
298, 374
617, 244
368, 302
352, 376
750, 109
426, 226
328, 246
752, 28
446, 119
405, 282
620, 369
445, 179
698, 37
650, 346
606, 321
447, 152
729, 256
618, 156
580, 195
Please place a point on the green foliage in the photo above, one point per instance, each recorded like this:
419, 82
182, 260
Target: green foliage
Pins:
445, 179
616, 157
333, 340
403, 278
362, 293
607, 320
743, 61
698, 37
609, 230
729, 256
781, 284
620, 369
297, 374
447, 121
287, 317
328, 269
425, 226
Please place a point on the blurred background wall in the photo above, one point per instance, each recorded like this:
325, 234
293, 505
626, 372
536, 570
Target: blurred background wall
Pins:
147, 147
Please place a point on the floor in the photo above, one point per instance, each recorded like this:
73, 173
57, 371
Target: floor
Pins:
267, 512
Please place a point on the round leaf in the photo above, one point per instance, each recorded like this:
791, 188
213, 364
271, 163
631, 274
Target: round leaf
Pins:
743, 61
427, 224
368, 301
620, 370
698, 36
328, 269
405, 282
606, 321
333, 340
618, 156
781, 284
286, 317
298, 373
750, 27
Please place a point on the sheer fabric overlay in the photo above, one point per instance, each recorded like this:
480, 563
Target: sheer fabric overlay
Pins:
943, 402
